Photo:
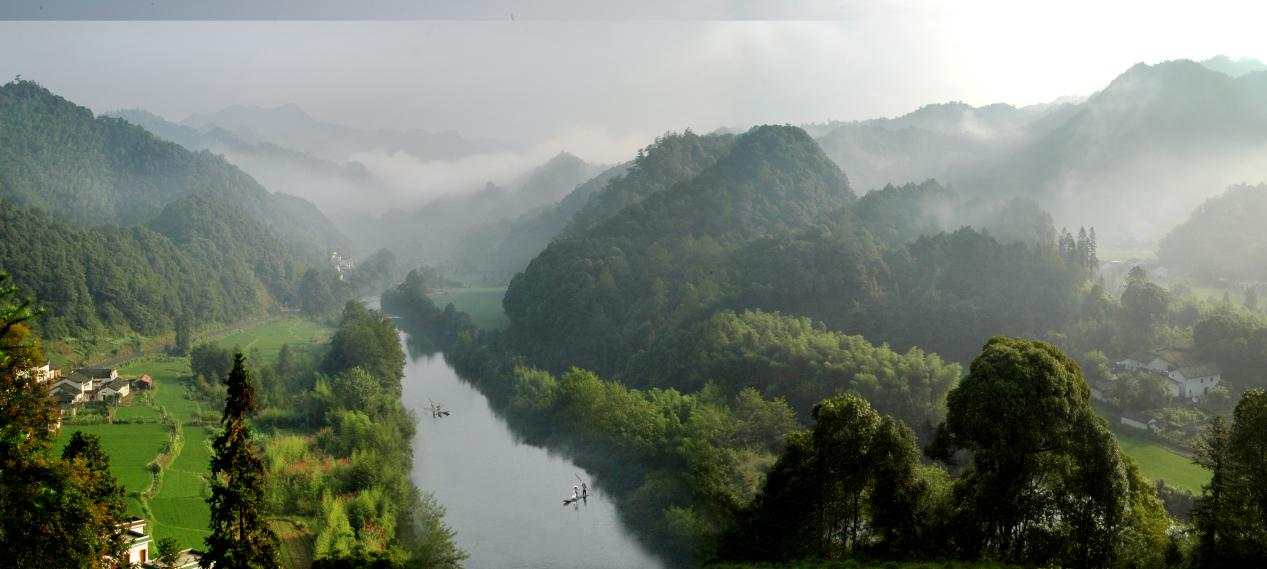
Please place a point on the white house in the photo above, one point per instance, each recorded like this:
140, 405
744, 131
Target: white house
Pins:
139, 541
1194, 381
1187, 377
117, 388
42, 374
72, 382
1144, 361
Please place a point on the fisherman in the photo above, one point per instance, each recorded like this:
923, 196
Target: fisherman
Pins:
585, 491
575, 493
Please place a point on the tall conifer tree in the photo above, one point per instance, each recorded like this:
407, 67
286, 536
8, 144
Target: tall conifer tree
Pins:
240, 536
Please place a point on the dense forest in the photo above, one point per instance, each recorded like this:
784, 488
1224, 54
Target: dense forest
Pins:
54, 155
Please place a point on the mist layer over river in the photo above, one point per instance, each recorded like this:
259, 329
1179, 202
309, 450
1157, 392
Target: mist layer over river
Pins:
504, 498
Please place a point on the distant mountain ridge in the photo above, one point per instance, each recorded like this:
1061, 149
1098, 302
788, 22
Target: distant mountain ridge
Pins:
336, 188
290, 126
56, 156
1132, 159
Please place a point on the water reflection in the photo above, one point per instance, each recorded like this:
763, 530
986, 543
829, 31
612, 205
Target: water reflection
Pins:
504, 497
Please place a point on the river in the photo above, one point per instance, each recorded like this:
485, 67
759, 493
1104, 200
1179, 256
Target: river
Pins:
504, 498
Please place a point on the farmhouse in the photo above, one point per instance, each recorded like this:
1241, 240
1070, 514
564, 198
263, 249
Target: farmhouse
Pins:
118, 388
1188, 377
92, 384
139, 541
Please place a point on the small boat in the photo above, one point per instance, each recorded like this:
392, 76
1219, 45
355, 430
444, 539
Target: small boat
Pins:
567, 501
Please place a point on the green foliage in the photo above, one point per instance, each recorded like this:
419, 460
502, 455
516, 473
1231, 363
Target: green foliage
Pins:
1047, 483
799, 361
1145, 307
849, 484
1230, 518
220, 267
54, 155
366, 339
58, 512
605, 289
430, 327
322, 291
240, 535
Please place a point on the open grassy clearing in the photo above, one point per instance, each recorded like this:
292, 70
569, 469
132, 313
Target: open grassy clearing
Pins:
1125, 254
268, 338
1160, 462
136, 412
130, 447
484, 304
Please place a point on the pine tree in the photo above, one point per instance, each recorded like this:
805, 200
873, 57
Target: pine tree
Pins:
240, 536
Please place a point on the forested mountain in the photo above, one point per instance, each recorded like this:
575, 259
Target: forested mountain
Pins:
289, 126
1224, 238
335, 187
56, 156
773, 226
203, 258
594, 298
1150, 144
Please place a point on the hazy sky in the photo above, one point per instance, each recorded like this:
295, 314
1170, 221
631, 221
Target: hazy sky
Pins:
591, 80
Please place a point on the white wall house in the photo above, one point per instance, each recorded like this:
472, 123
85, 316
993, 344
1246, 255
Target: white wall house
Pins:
1194, 381
117, 388
139, 545
1187, 378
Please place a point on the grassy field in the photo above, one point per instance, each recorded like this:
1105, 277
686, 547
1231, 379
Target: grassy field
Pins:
483, 304
1125, 254
180, 509
130, 447
268, 338
136, 412
1160, 462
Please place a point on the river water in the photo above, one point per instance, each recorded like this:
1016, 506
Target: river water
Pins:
505, 498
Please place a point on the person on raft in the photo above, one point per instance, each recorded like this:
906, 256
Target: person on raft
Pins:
585, 491
575, 493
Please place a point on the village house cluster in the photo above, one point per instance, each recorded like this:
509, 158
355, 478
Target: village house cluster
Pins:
70, 389
1187, 377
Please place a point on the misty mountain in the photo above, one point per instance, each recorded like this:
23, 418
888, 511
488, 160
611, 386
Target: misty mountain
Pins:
335, 187
432, 234
1131, 159
1225, 238
56, 156
501, 249
1234, 67
289, 126
936, 141
506, 248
